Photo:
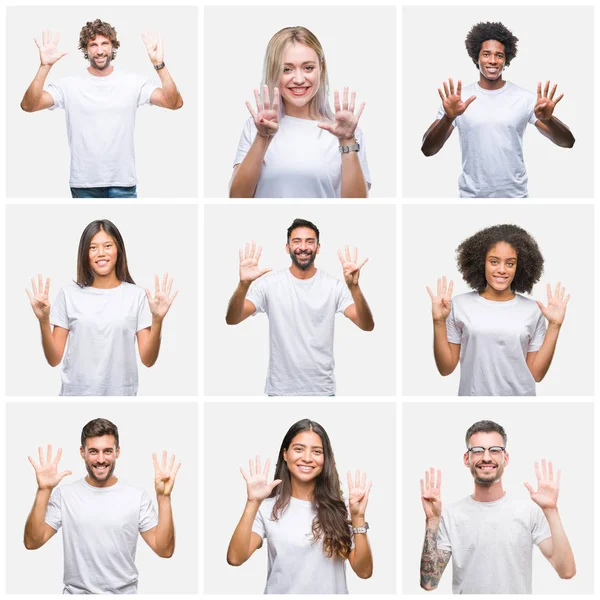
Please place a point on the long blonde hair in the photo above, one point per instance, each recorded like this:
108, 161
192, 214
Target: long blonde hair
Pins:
273, 63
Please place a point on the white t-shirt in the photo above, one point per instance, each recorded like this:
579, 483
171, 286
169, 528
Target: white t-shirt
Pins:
100, 357
301, 323
491, 544
491, 141
494, 339
296, 564
100, 531
302, 161
100, 114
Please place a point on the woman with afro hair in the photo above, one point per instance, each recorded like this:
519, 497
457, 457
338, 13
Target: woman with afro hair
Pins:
499, 335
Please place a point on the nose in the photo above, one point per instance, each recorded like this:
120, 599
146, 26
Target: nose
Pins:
306, 455
487, 453
298, 77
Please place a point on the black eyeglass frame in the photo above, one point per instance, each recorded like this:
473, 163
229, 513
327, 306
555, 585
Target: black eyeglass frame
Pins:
502, 448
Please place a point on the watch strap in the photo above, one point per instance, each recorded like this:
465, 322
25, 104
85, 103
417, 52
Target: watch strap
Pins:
350, 148
160, 66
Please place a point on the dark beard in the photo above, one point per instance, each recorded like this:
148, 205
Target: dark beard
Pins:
306, 265
93, 475
106, 64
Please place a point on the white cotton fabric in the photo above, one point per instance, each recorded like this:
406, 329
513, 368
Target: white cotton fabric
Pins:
491, 544
302, 161
301, 326
100, 357
100, 115
296, 564
491, 141
494, 339
100, 529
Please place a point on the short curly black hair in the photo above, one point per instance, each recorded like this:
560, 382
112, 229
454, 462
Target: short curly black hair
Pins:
471, 253
482, 32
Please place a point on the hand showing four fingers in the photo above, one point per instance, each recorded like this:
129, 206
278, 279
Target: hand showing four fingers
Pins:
46, 472
345, 123
40, 303
358, 493
48, 47
257, 483
452, 101
557, 305
431, 496
164, 475
546, 103
350, 265
154, 46
441, 302
546, 495
249, 257
265, 116
162, 300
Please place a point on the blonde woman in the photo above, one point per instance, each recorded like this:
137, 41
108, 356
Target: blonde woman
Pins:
294, 145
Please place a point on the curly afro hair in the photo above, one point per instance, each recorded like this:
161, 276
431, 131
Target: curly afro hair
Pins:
482, 32
471, 253
93, 28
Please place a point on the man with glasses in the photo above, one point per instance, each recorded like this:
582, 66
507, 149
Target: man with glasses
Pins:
490, 534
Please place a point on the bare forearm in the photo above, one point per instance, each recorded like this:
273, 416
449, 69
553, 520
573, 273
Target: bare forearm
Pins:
363, 558
363, 312
245, 179
435, 137
238, 551
559, 133
236, 304
33, 94
353, 180
562, 558
433, 561
52, 352
149, 352
543, 358
35, 526
165, 530
444, 358
172, 95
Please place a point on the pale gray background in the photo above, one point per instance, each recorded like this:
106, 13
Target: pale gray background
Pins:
236, 357
158, 239
258, 429
166, 145
433, 436
555, 43
565, 236
360, 48
143, 429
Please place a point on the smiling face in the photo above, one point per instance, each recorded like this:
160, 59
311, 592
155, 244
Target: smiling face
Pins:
487, 468
303, 247
304, 457
100, 455
103, 254
500, 267
491, 60
100, 52
300, 76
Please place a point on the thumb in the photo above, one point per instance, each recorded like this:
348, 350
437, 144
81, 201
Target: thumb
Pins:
325, 126
65, 473
469, 100
63, 54
529, 488
274, 484
542, 307
268, 270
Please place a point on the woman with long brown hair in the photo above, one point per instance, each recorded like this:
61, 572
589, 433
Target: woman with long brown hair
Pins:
101, 314
309, 528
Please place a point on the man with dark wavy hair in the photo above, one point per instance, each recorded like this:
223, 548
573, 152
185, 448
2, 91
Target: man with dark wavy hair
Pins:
100, 107
491, 116
100, 517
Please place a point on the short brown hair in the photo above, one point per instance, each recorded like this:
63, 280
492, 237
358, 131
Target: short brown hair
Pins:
93, 28
98, 428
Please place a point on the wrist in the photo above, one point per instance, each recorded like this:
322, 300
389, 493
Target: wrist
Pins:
555, 326
432, 523
244, 284
162, 498
347, 141
553, 510
358, 520
439, 322
157, 319
41, 491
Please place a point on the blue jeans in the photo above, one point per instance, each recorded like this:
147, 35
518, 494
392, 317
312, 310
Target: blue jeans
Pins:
105, 192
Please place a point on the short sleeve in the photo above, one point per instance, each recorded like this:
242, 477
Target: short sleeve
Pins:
440, 113
146, 89
531, 109
258, 294
144, 316
258, 526
246, 140
58, 312
443, 539
362, 157
148, 518
453, 331
537, 339
343, 297
53, 510
540, 530
56, 90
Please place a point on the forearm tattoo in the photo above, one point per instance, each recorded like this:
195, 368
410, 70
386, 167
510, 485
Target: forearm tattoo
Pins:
433, 561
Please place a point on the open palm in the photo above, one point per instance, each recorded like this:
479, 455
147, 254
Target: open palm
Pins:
258, 486
557, 304
48, 47
164, 475
441, 301
345, 121
452, 100
46, 472
358, 493
161, 302
249, 257
38, 297
546, 495
431, 493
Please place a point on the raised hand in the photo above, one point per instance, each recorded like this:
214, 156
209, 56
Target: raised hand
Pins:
46, 473
39, 298
161, 303
358, 493
48, 47
545, 104
154, 47
452, 101
557, 305
265, 116
350, 265
249, 258
431, 497
164, 476
441, 302
257, 484
346, 121
546, 495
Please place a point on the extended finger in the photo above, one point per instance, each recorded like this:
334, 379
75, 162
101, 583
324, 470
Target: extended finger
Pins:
276, 99
266, 97
163, 462
442, 97
341, 257
336, 101
155, 462
41, 456
438, 483
345, 102
549, 292
558, 99
357, 478
259, 105
258, 252
349, 477
57, 457
267, 467
451, 87
47, 286
469, 100
156, 288
56, 38
171, 463
546, 88
29, 295
553, 91
169, 287
33, 463
450, 288
247, 250
362, 263
49, 453
251, 467
363, 481
360, 111
352, 102
539, 90
538, 475
557, 290
544, 469
258, 467
531, 491
446, 90
444, 285
177, 467
252, 112
252, 249
422, 487
40, 286
567, 298
163, 287
355, 255
550, 471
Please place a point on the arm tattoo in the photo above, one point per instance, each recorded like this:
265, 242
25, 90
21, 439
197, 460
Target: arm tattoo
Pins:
433, 561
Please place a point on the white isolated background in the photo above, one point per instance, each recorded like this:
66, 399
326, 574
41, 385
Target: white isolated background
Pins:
433, 435
555, 43
166, 148
158, 239
144, 428
362, 435
565, 236
360, 48
236, 357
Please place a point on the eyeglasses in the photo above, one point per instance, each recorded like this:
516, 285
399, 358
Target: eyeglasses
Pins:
480, 450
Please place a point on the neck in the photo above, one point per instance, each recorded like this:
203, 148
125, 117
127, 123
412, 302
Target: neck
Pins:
106, 282
101, 484
303, 490
488, 493
303, 273
300, 112
491, 84
100, 73
497, 296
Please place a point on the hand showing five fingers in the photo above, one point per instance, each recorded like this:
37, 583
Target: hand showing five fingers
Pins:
345, 123
48, 47
358, 493
441, 302
350, 265
452, 101
557, 305
161, 303
431, 494
265, 116
249, 257
46, 473
154, 47
164, 476
546, 103
39, 300
257, 483
546, 495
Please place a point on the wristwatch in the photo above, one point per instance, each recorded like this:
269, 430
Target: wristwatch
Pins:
364, 528
160, 66
348, 149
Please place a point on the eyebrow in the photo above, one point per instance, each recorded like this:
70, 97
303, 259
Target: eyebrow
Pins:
498, 258
308, 239
304, 446
306, 62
